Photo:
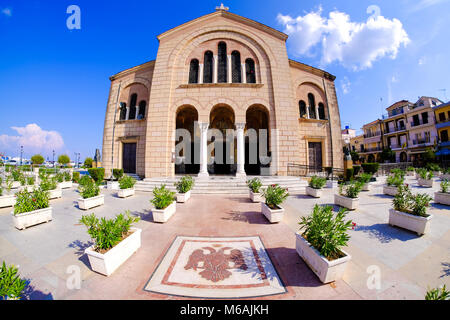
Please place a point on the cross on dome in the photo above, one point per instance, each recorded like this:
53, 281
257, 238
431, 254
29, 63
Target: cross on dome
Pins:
222, 8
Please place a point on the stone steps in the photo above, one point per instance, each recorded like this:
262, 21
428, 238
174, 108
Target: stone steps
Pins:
223, 185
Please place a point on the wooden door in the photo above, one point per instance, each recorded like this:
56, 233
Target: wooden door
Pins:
129, 157
315, 154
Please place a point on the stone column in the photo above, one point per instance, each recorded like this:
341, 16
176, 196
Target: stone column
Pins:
229, 67
128, 113
200, 80
137, 112
240, 172
215, 68
203, 149
243, 73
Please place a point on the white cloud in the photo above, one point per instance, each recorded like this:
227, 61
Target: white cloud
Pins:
7, 12
345, 85
33, 139
356, 45
424, 4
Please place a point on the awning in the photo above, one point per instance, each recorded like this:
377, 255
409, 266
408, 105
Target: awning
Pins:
443, 152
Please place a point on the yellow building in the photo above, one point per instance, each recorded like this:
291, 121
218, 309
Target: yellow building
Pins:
442, 115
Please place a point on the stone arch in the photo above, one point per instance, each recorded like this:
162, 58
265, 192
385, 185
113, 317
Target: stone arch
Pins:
238, 110
303, 91
185, 140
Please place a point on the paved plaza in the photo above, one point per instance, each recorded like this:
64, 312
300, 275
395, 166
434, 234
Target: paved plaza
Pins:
50, 255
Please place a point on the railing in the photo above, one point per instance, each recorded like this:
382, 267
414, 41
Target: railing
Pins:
393, 114
442, 121
376, 149
372, 134
421, 141
393, 130
300, 170
418, 123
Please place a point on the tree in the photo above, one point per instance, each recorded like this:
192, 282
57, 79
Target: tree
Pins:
63, 159
355, 156
429, 155
88, 162
37, 159
387, 155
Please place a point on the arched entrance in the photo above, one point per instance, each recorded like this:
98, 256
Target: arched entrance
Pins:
186, 152
222, 120
256, 142
403, 157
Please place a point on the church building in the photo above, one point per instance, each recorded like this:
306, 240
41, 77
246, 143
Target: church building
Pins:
228, 82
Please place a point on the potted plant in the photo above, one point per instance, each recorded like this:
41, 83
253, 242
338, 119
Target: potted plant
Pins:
11, 285
433, 167
348, 195
425, 178
31, 208
184, 187
365, 178
66, 182
126, 186
49, 184
163, 201
114, 241
443, 196
254, 193
90, 195
6, 200
410, 211
446, 174
410, 171
315, 186
15, 177
392, 184
320, 240
274, 196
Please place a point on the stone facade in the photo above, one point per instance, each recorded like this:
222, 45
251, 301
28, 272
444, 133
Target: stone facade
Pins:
164, 87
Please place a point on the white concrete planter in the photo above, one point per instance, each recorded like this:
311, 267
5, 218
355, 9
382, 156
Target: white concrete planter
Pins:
163, 215
88, 203
15, 185
123, 193
390, 190
183, 197
7, 201
65, 184
332, 184
109, 261
366, 187
446, 176
28, 188
410, 173
316, 193
327, 271
420, 225
439, 197
436, 174
54, 194
425, 183
112, 185
274, 216
28, 219
255, 197
349, 203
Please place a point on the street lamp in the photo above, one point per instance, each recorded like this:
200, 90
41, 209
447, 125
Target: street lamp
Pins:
53, 159
21, 155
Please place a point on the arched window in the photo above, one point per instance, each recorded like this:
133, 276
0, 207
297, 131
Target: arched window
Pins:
133, 102
222, 68
142, 106
208, 67
123, 111
302, 108
321, 111
312, 106
193, 71
250, 70
236, 67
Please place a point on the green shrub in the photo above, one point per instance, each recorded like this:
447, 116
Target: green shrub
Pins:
317, 182
356, 170
325, 232
350, 190
162, 197
48, 183
22, 180
410, 169
107, 233
84, 180
97, 174
31, 201
432, 166
67, 176
438, 294
126, 182
89, 189
405, 201
76, 176
30, 181
254, 184
395, 181
275, 196
117, 173
59, 177
185, 184
370, 167
11, 285
16, 174
365, 178
444, 186
88, 162
425, 174
398, 172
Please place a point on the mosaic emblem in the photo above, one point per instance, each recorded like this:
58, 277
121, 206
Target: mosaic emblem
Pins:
216, 263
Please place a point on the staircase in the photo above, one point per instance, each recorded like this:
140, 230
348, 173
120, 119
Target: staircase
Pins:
133, 175
224, 184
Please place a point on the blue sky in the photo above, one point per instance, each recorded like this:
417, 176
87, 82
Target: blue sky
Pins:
54, 82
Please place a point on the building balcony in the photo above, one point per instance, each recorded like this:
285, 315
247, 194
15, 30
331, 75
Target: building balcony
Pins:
421, 142
419, 123
442, 124
372, 150
394, 130
393, 114
372, 134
